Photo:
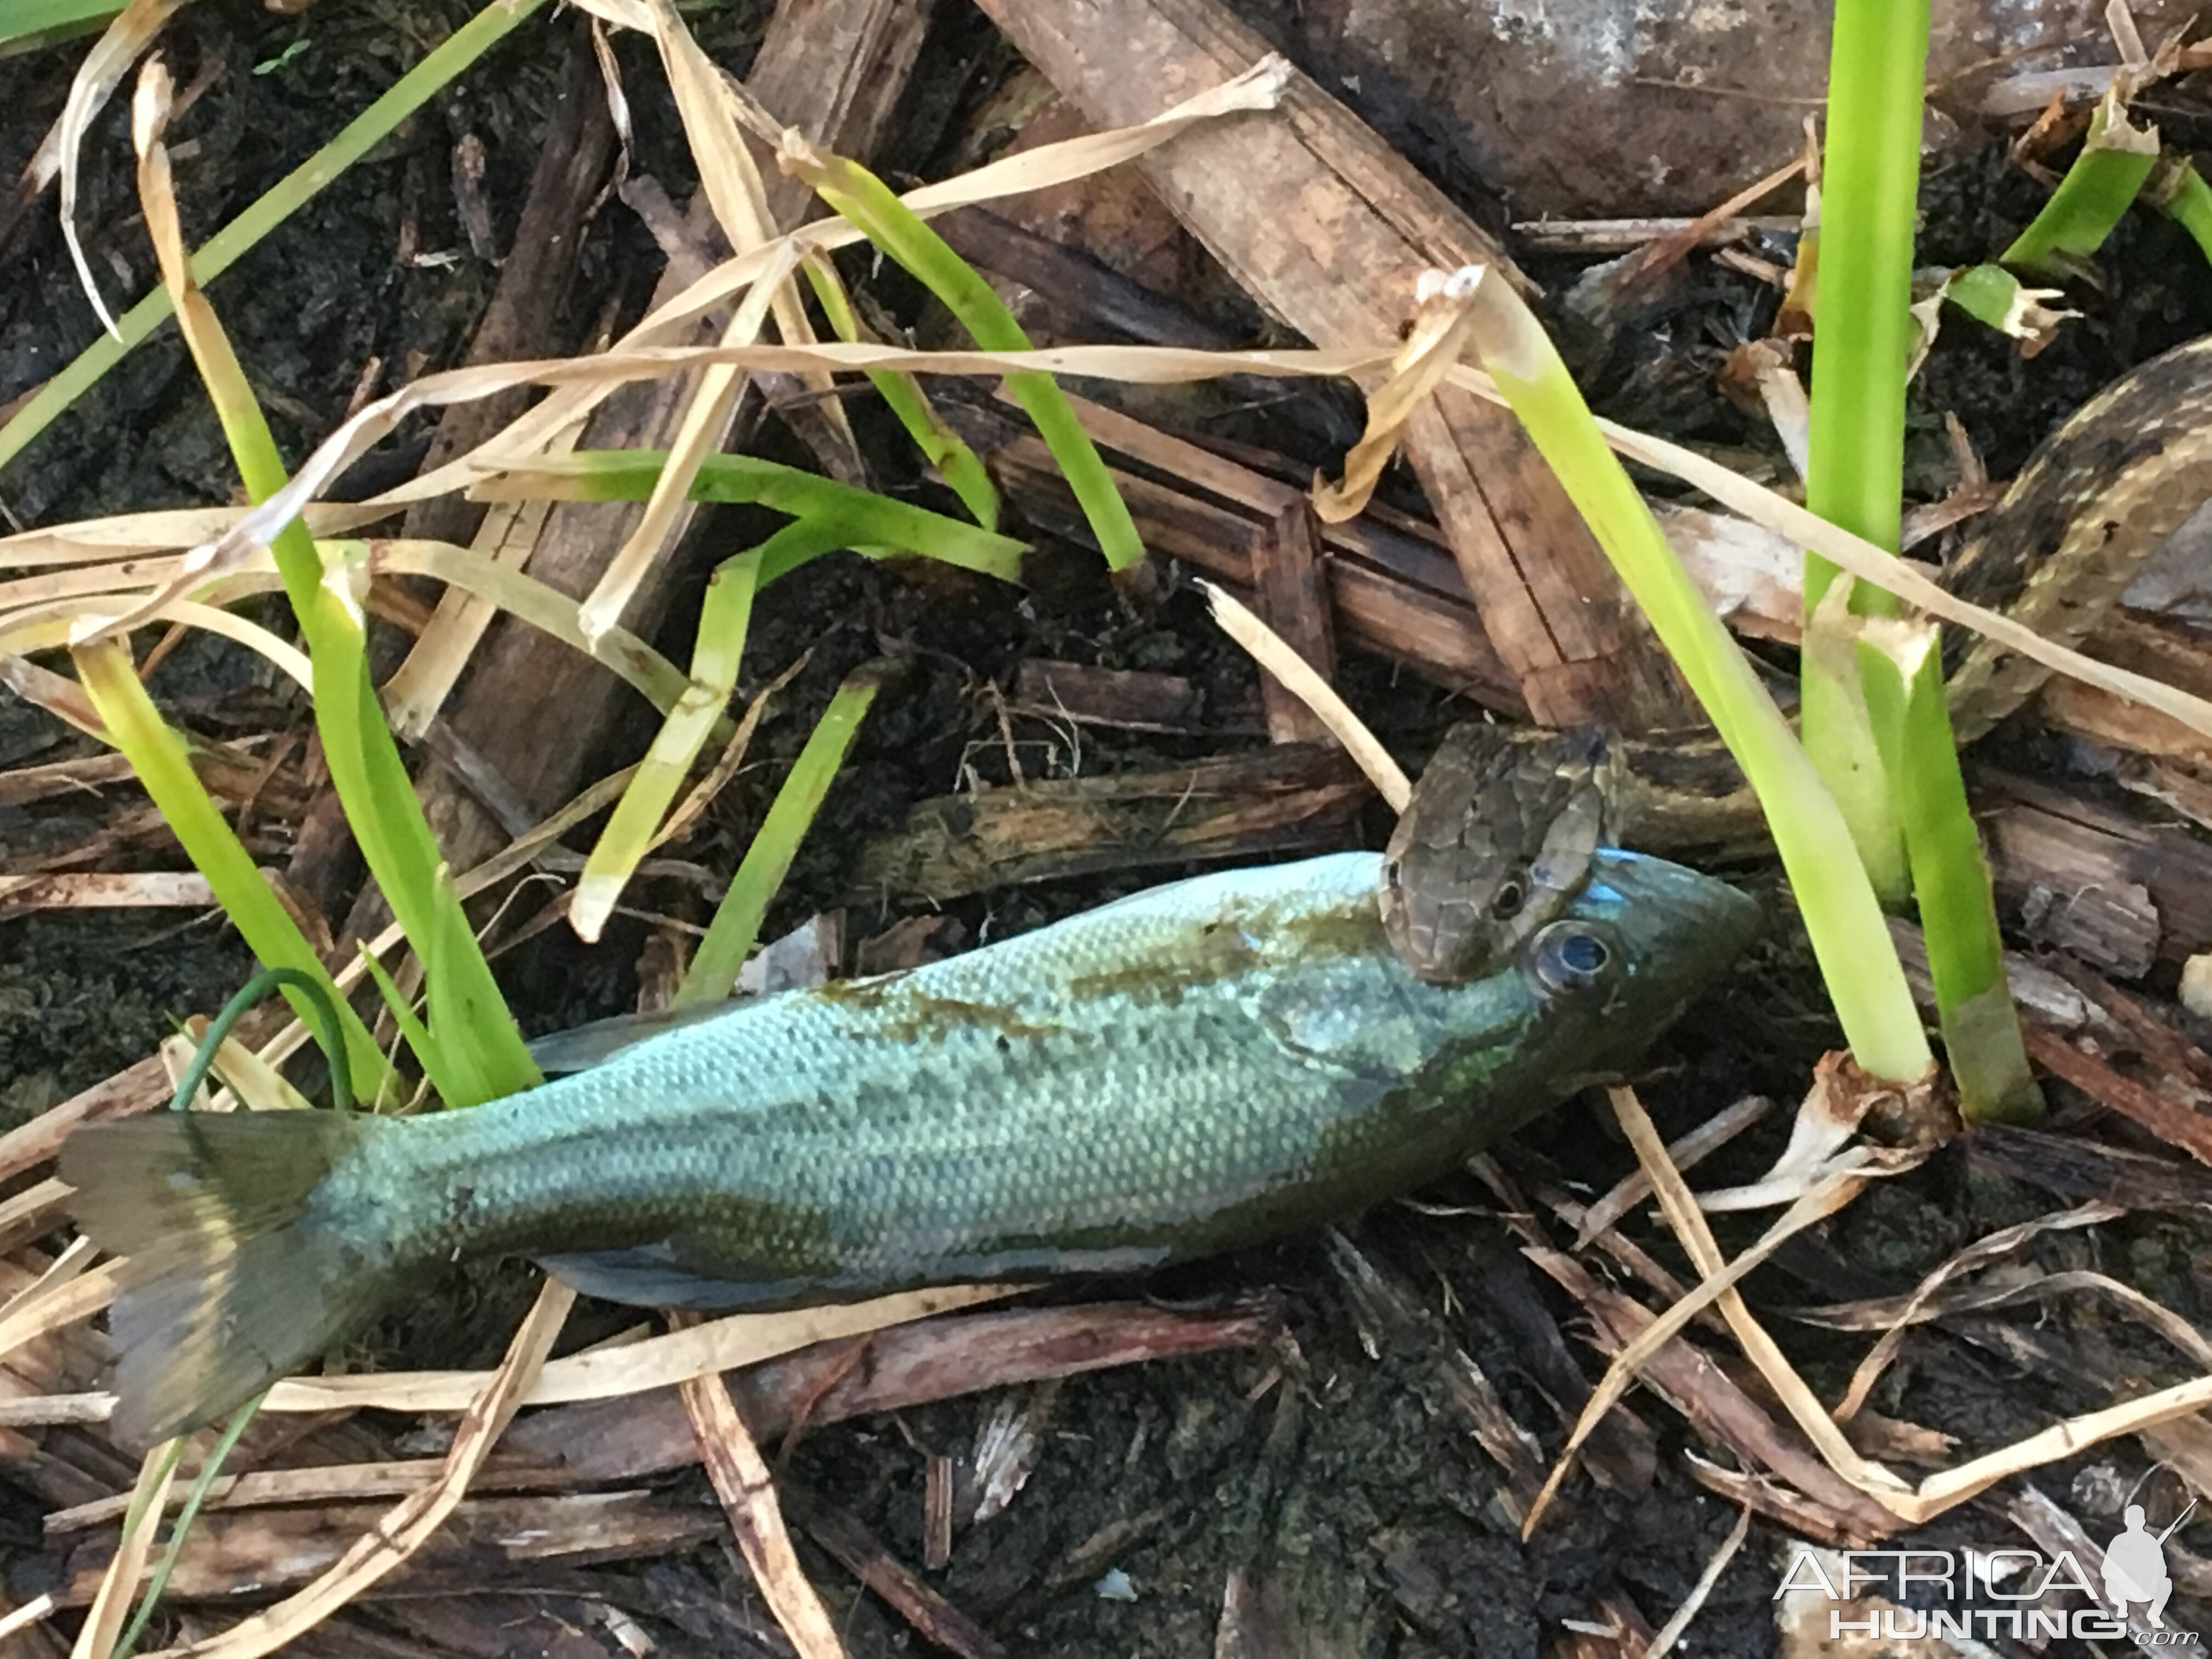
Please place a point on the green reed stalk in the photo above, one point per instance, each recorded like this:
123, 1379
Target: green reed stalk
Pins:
1842, 916
1901, 663
1870, 173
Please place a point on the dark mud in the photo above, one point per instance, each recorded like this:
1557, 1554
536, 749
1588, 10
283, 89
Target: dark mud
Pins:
1340, 1475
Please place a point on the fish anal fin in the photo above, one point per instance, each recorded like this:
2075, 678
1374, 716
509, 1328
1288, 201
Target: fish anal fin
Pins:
651, 1276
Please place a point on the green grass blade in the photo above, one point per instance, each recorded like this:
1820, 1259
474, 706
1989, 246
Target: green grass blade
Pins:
2185, 197
366, 769
962, 469
414, 1032
737, 923
2106, 177
876, 524
157, 754
859, 196
380, 806
22, 22
464, 1003
406, 95
1902, 665
202, 1484
1843, 919
724, 617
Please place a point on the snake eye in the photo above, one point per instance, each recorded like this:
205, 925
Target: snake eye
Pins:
1506, 902
1569, 956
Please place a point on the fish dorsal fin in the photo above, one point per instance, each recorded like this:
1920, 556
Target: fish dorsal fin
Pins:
582, 1047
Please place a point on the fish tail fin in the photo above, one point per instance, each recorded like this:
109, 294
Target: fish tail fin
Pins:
232, 1278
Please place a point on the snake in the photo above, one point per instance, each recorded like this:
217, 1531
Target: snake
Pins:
1503, 820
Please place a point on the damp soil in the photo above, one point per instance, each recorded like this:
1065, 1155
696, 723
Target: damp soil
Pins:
1340, 1473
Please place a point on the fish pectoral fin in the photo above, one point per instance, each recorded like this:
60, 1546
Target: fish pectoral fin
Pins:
652, 1276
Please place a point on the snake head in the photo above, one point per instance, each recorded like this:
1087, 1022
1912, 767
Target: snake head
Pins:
1496, 840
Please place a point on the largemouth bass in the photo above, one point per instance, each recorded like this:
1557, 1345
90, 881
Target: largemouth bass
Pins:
1196, 1067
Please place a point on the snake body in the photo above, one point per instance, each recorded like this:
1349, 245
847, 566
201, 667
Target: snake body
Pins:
2096, 499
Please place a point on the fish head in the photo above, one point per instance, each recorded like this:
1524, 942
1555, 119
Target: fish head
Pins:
1640, 941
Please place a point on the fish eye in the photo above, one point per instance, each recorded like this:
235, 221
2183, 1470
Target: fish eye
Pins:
1512, 894
1571, 956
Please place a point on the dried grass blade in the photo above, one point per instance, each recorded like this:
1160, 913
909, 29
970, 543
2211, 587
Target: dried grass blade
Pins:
97, 76
658, 1362
1663, 1640
1259, 87
1980, 1253
706, 422
660, 681
36, 1611
171, 530
418, 687
1824, 1200
30, 631
1688, 1223
64, 1293
105, 891
1439, 339
741, 1482
1268, 648
1688, 1153
410, 1522
156, 1474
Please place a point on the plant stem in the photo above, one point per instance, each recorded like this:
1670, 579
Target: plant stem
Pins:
1870, 171
1842, 916
1902, 665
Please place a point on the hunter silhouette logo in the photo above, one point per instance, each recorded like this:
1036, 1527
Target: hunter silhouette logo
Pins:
2135, 1567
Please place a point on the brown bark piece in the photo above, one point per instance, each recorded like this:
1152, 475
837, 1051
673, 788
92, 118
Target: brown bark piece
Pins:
533, 285
1394, 592
1293, 797
1134, 700
268, 1549
609, 1440
2077, 1168
2118, 893
1688, 1380
2170, 1121
1326, 226
937, 1621
1294, 602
